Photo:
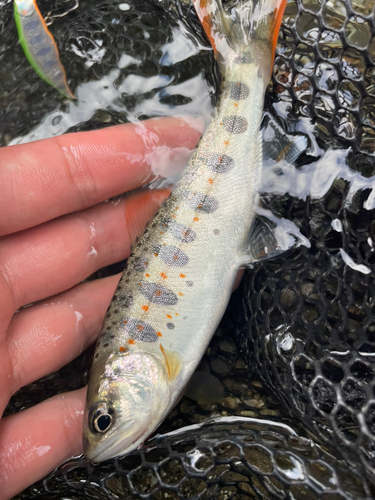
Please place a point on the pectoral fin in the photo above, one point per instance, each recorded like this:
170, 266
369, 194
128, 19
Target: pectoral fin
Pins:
172, 361
269, 237
278, 145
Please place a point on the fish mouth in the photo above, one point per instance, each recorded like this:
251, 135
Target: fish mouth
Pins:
116, 445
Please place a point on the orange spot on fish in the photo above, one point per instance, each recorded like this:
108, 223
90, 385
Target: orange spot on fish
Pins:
169, 316
210, 181
131, 341
195, 219
176, 208
147, 275
125, 322
159, 334
226, 143
163, 275
176, 314
156, 254
235, 104
182, 275
140, 327
123, 349
221, 123
145, 308
180, 293
200, 205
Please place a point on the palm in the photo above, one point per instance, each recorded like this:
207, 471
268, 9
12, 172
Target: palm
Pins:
55, 232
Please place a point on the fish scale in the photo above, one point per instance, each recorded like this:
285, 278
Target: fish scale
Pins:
180, 275
235, 191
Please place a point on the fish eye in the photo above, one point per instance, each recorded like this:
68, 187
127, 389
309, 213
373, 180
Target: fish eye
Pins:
102, 417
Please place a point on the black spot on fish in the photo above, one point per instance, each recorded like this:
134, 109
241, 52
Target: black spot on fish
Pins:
219, 164
235, 124
216, 232
173, 256
170, 326
139, 264
189, 283
180, 232
239, 91
158, 294
140, 330
202, 202
126, 300
96, 355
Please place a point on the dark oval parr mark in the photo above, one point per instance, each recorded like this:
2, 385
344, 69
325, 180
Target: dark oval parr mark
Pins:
220, 164
239, 91
158, 294
235, 124
140, 330
202, 202
181, 233
173, 256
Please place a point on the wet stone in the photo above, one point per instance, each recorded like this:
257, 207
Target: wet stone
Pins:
358, 32
220, 366
259, 458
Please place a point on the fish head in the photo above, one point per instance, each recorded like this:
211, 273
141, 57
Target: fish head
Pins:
125, 403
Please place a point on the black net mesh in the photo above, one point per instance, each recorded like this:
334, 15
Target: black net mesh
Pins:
304, 322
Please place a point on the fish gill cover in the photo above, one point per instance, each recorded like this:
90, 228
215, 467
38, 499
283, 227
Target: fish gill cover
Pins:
301, 325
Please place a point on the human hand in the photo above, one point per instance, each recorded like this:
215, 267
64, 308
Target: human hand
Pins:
55, 231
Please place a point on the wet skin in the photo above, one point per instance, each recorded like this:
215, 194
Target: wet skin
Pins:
55, 231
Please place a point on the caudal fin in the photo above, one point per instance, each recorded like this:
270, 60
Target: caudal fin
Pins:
234, 30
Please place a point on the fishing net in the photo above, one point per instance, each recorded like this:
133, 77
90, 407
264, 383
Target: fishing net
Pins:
301, 328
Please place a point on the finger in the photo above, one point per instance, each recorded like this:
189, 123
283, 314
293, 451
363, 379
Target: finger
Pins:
52, 177
43, 338
35, 441
45, 260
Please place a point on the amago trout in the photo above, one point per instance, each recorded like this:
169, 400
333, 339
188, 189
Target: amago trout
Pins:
179, 278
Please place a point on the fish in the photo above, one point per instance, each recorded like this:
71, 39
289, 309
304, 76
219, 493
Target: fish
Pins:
179, 276
39, 46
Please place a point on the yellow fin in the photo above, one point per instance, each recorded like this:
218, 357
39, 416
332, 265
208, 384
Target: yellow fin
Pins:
172, 361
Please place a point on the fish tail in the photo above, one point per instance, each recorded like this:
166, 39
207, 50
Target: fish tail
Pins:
248, 28
39, 46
